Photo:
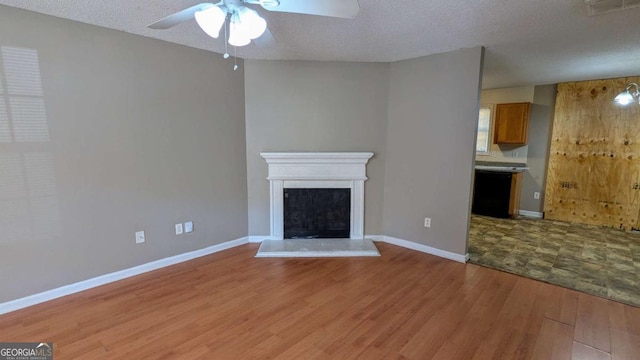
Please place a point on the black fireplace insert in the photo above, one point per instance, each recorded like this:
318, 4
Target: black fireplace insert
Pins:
317, 213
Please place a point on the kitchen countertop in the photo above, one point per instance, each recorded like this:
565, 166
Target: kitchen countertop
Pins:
501, 166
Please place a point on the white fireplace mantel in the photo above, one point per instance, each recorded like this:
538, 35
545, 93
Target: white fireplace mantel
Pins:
316, 170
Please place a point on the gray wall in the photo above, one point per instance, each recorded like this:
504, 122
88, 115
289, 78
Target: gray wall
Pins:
315, 106
114, 133
103, 133
433, 115
542, 111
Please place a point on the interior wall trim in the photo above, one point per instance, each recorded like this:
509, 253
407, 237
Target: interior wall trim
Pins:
379, 238
426, 249
65, 290
257, 239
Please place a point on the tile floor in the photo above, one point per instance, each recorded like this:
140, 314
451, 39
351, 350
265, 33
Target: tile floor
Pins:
593, 259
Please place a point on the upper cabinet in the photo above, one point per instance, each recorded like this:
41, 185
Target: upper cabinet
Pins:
511, 123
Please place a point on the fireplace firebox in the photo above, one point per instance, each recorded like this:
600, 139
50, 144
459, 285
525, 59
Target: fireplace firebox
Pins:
317, 213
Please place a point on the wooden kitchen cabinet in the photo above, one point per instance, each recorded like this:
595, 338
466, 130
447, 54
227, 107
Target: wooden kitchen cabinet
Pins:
511, 123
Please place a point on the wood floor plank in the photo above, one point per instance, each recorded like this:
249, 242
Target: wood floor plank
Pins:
584, 352
402, 305
564, 305
624, 318
554, 342
439, 331
516, 328
624, 323
624, 345
592, 323
398, 335
471, 333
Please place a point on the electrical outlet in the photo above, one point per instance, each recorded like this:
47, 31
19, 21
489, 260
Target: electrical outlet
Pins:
536, 195
179, 229
427, 222
188, 227
139, 237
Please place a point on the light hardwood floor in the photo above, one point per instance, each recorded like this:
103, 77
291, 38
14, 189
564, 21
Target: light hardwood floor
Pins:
403, 305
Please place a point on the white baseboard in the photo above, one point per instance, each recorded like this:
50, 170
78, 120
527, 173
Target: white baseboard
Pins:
378, 238
259, 238
426, 249
115, 276
531, 214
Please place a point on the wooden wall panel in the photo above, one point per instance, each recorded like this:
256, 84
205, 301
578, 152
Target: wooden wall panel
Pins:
593, 175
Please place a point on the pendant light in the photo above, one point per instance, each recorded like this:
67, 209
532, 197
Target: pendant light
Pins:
627, 96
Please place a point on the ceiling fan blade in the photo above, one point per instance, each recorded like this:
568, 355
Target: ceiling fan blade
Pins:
347, 9
265, 40
180, 16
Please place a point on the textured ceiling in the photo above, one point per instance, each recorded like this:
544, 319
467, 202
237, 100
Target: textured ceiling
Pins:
527, 42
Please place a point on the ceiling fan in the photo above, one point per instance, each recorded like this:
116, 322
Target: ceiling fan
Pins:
245, 24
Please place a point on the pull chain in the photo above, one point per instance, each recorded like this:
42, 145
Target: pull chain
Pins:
235, 59
226, 53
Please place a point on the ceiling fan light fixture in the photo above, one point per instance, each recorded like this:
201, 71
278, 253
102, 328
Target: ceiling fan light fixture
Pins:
211, 20
627, 96
237, 35
252, 24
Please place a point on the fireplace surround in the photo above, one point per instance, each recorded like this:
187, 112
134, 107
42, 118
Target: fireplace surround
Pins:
313, 170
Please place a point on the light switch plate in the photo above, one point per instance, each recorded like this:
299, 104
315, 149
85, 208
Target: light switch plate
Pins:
179, 229
188, 226
139, 237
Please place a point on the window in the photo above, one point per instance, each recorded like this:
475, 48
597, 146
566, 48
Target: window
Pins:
28, 199
484, 127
